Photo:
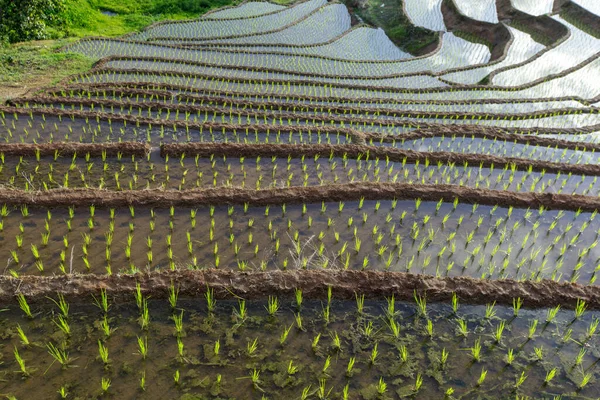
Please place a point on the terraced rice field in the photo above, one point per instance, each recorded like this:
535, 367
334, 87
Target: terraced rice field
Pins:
271, 202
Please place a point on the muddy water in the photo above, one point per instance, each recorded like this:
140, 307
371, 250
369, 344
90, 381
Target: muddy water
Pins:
479, 242
466, 144
49, 128
131, 172
200, 369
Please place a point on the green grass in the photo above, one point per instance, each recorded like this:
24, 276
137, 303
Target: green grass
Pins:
31, 65
23, 61
86, 18
390, 17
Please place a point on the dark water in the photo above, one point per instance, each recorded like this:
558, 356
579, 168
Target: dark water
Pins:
204, 374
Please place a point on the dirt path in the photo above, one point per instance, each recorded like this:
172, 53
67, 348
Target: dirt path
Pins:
345, 285
297, 195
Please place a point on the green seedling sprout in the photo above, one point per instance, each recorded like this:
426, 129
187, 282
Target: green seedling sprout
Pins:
62, 305
255, 378
63, 392
585, 379
272, 306
63, 325
418, 382
550, 375
476, 350
23, 305
22, 336
326, 365
211, 302
579, 357
580, 308
106, 329
454, 303
315, 342
103, 352
510, 357
517, 304
252, 347
421, 304
284, 334
143, 381
381, 387
142, 346
102, 302
551, 314
298, 295
21, 362
520, 380
429, 328
482, 376
105, 384
59, 355
532, 328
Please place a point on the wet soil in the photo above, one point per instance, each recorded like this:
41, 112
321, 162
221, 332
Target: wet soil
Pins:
314, 285
296, 195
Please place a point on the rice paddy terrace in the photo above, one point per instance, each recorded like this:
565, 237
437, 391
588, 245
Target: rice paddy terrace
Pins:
271, 202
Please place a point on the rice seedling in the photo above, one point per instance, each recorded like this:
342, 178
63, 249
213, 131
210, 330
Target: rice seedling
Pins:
102, 302
211, 302
580, 308
103, 353
63, 325
284, 334
482, 377
273, 306
59, 355
22, 336
105, 384
143, 381
552, 312
24, 306
476, 350
421, 305
550, 375
520, 380
21, 362
142, 347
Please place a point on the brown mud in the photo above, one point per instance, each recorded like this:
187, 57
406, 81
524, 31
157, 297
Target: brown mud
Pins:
70, 149
296, 195
345, 285
382, 153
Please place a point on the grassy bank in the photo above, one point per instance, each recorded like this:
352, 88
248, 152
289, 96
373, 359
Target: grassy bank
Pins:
26, 67
389, 16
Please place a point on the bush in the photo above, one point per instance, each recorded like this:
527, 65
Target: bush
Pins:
22, 20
